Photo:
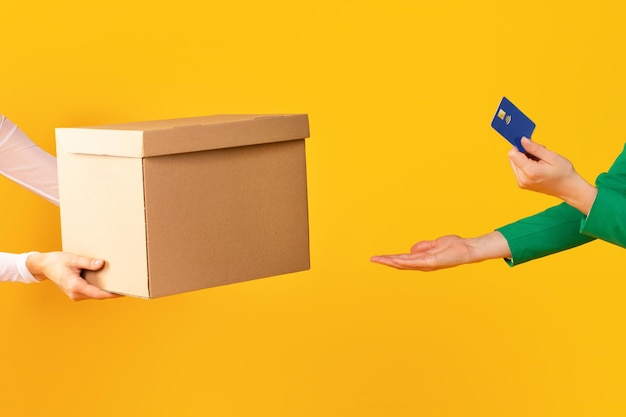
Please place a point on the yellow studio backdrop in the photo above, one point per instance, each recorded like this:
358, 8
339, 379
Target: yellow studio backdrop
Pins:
400, 94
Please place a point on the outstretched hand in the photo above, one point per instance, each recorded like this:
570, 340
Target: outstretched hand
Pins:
64, 270
447, 252
430, 255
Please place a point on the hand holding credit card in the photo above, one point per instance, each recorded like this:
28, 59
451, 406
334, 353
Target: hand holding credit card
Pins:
511, 123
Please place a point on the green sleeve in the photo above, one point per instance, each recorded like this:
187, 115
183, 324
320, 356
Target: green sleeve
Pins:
553, 230
607, 217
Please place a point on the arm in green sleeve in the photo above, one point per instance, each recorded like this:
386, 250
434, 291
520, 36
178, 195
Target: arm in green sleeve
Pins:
553, 230
607, 217
563, 227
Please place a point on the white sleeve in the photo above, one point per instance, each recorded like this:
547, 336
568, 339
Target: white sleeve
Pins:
25, 163
13, 268
30, 166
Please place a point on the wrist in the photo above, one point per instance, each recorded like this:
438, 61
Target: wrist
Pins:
489, 246
35, 265
581, 196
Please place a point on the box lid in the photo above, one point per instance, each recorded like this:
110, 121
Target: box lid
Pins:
164, 137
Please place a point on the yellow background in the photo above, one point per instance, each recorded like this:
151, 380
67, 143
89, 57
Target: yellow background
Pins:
400, 95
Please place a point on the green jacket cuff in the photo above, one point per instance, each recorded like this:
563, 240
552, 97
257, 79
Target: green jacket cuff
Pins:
607, 218
553, 230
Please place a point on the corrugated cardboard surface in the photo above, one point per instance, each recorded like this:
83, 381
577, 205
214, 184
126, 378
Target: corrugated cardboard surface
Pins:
189, 220
166, 137
102, 216
240, 213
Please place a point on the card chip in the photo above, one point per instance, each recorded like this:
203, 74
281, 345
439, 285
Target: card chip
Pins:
501, 114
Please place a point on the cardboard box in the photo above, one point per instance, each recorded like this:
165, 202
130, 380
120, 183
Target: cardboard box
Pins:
185, 204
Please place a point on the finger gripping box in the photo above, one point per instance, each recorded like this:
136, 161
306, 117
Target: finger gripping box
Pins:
184, 204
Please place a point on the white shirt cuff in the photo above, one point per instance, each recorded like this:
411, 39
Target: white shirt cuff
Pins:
23, 270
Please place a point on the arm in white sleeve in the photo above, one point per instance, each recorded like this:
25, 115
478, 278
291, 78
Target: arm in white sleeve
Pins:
25, 163
30, 166
13, 268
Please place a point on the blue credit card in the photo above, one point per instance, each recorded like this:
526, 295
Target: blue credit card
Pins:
511, 123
